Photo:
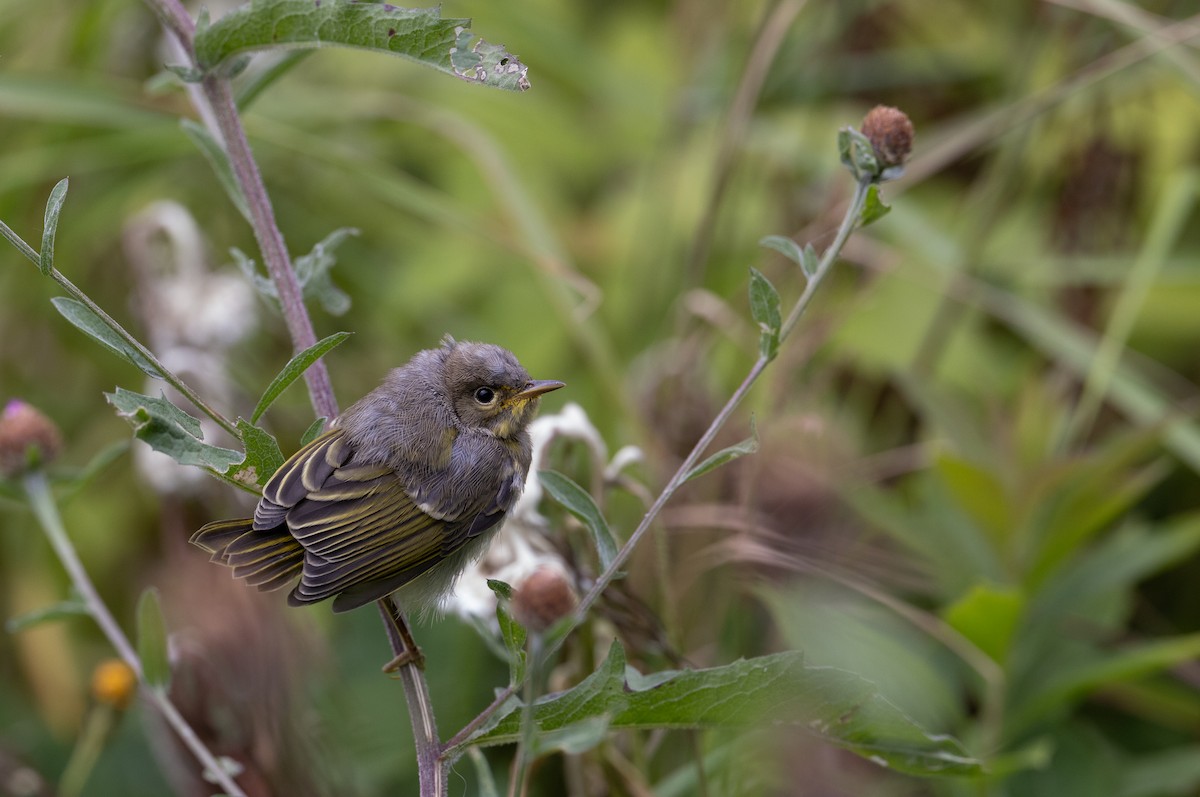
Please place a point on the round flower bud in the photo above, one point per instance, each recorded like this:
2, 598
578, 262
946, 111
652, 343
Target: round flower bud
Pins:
543, 598
114, 684
28, 439
891, 134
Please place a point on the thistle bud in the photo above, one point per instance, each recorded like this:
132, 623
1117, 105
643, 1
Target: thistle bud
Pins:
891, 134
543, 598
114, 684
28, 439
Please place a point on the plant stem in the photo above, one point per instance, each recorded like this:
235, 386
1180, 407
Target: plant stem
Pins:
430, 773
41, 500
270, 239
823, 268
164, 373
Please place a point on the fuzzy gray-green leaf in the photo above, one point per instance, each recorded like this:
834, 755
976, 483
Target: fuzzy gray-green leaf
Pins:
837, 705
263, 456
747, 446
421, 35
580, 504
293, 370
218, 159
764, 307
874, 209
55, 611
314, 429
87, 322
784, 246
54, 204
172, 431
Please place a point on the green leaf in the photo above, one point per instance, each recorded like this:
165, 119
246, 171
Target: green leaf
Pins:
313, 272
784, 246
172, 431
54, 204
55, 611
747, 446
764, 307
293, 370
809, 261
511, 632
1172, 771
988, 616
218, 159
576, 500
86, 321
263, 456
857, 154
486, 782
420, 35
313, 431
874, 209
152, 640
836, 704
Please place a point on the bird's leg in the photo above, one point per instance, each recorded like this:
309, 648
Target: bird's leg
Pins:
403, 644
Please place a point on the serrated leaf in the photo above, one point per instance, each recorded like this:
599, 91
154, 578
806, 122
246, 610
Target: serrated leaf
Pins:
747, 446
55, 611
764, 307
87, 322
172, 431
218, 159
576, 501
838, 705
873, 209
54, 204
420, 35
263, 456
312, 270
313, 431
294, 369
152, 640
784, 246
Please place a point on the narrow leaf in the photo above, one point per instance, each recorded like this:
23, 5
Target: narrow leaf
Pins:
263, 456
172, 431
747, 446
87, 322
874, 209
485, 781
809, 261
511, 632
764, 307
576, 500
218, 159
152, 640
420, 35
293, 370
313, 431
838, 705
312, 270
784, 246
55, 611
54, 204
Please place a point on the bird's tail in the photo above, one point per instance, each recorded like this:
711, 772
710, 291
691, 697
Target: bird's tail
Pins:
265, 558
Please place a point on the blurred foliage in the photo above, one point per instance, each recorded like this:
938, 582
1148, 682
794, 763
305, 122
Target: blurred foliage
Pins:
978, 465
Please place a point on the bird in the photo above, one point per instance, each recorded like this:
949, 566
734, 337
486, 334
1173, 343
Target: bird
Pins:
405, 490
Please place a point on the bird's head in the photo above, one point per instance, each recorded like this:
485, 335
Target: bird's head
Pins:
490, 389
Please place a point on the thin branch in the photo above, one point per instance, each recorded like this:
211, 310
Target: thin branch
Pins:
165, 373
41, 501
431, 774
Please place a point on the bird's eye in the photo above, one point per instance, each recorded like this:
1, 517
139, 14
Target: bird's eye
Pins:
485, 395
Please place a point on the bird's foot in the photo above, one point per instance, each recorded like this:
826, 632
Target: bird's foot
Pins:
409, 656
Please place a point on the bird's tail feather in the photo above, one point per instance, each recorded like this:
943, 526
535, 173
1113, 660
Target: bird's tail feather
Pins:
266, 558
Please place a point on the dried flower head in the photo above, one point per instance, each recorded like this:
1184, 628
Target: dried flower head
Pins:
891, 134
544, 598
114, 684
28, 439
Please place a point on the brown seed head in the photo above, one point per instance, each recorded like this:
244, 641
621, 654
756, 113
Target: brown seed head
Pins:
27, 437
891, 134
114, 684
543, 598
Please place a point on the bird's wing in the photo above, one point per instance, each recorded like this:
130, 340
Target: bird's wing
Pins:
305, 471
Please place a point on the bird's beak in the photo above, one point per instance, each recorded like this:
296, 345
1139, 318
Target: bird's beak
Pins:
537, 387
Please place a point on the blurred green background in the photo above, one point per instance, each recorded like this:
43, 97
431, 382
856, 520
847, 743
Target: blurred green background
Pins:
978, 479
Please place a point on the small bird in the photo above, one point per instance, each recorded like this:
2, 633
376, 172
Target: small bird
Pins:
405, 490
